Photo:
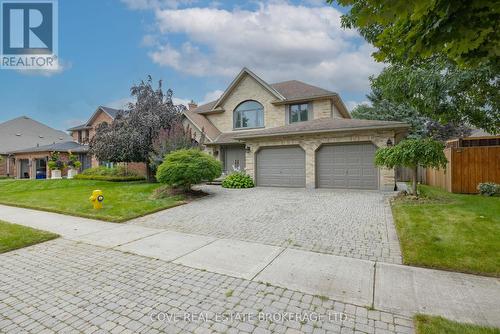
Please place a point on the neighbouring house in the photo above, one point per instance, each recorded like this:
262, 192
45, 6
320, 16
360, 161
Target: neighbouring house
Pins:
292, 134
471, 160
83, 133
25, 145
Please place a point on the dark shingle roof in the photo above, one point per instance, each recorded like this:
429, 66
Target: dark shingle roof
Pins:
79, 127
56, 147
111, 111
23, 132
226, 138
322, 125
294, 89
203, 124
205, 107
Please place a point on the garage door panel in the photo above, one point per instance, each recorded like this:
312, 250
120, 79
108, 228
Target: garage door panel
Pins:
281, 167
347, 166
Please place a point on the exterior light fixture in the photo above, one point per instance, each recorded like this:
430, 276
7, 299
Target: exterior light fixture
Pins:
389, 142
247, 149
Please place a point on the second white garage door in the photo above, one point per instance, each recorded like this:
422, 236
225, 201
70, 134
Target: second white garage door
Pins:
347, 166
281, 167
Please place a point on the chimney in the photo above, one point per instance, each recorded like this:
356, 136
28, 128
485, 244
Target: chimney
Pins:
192, 105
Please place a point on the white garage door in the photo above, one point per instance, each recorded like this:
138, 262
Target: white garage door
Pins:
281, 167
347, 166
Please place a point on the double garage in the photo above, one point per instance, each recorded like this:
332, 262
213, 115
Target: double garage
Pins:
346, 165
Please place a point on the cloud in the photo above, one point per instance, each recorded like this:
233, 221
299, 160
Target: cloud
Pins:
62, 66
278, 41
120, 103
155, 4
123, 102
212, 96
353, 104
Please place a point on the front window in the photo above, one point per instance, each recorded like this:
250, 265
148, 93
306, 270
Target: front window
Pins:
249, 114
299, 112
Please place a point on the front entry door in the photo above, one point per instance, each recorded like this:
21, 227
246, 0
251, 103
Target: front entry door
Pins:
234, 158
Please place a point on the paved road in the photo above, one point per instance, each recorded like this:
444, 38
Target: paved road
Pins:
355, 224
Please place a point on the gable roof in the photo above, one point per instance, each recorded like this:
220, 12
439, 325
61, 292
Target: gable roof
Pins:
239, 77
24, 132
111, 112
294, 89
285, 92
202, 124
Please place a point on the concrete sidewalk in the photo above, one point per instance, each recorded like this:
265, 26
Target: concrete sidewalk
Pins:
386, 287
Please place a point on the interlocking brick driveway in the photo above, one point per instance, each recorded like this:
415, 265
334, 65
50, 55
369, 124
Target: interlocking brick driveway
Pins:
68, 287
348, 223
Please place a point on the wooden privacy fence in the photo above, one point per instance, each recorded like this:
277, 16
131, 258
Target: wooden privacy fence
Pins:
404, 174
466, 168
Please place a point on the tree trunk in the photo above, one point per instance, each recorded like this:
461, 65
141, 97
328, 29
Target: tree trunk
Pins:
149, 173
414, 181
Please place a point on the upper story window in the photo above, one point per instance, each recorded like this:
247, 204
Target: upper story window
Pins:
298, 112
249, 114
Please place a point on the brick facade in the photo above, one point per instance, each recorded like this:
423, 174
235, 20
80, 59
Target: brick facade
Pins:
311, 143
274, 115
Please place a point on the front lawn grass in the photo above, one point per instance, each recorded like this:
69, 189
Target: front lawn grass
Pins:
122, 201
425, 324
13, 236
450, 231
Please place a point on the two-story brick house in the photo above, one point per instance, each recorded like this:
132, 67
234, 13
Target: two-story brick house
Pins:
83, 133
293, 134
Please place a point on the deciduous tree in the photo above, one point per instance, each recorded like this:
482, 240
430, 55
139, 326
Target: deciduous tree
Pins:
464, 31
412, 153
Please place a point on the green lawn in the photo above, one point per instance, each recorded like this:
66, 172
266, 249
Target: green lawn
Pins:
122, 200
450, 231
13, 236
425, 324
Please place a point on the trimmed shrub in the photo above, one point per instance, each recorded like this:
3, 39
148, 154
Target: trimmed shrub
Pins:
238, 180
183, 168
109, 171
488, 188
109, 178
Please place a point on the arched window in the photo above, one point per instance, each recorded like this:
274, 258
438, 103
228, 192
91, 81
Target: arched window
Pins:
249, 114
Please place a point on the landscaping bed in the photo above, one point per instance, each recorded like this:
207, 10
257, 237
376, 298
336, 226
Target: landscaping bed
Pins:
122, 200
450, 231
425, 324
13, 236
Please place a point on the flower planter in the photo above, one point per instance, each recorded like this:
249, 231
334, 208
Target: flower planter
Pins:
72, 173
55, 174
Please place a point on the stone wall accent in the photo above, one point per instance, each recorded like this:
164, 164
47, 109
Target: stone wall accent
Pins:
322, 108
274, 115
311, 143
249, 89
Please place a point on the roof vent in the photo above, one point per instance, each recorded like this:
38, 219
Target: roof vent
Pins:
40, 136
18, 134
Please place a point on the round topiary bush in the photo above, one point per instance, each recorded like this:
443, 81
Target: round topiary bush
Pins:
238, 180
183, 168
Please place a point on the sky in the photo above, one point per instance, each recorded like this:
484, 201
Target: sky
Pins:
196, 47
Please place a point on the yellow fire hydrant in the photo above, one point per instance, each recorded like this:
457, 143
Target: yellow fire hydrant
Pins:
97, 198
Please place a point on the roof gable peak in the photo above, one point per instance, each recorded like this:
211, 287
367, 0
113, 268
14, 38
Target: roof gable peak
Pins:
245, 71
